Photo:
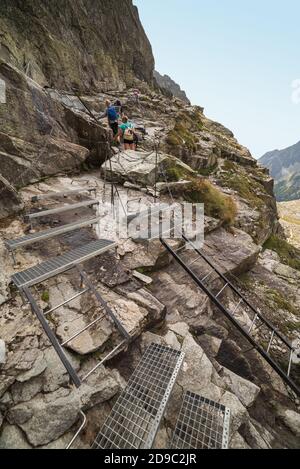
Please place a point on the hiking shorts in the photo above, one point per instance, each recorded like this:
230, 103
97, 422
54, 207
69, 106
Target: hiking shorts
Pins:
114, 127
128, 142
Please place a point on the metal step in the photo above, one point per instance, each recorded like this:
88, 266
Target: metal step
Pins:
135, 417
57, 265
64, 208
201, 424
249, 334
58, 195
42, 235
59, 347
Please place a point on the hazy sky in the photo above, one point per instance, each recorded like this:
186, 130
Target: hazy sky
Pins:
236, 58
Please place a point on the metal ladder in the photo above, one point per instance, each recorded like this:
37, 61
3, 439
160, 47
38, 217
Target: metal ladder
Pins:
258, 320
59, 347
135, 417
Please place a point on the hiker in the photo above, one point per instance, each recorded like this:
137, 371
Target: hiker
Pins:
126, 132
112, 117
136, 95
119, 108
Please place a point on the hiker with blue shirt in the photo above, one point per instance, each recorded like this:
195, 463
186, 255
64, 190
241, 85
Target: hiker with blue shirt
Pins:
126, 132
112, 117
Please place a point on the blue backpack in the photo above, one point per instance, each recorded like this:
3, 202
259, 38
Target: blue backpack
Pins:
112, 114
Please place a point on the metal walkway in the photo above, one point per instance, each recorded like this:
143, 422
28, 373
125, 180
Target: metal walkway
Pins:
60, 264
64, 208
58, 195
59, 347
201, 424
135, 418
13, 244
283, 364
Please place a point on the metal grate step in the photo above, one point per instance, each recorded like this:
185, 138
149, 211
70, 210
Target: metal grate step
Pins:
201, 424
135, 418
60, 347
284, 370
54, 195
64, 208
42, 235
57, 265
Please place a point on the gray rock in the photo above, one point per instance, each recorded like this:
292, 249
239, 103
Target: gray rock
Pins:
231, 252
46, 418
140, 168
13, 438
238, 442
291, 420
256, 436
2, 352
55, 374
238, 412
245, 390
180, 328
25, 391
10, 201
37, 368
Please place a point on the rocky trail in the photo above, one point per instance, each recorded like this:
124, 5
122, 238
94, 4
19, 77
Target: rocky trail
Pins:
151, 295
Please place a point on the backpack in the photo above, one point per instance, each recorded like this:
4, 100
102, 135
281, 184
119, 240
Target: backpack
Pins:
128, 134
112, 114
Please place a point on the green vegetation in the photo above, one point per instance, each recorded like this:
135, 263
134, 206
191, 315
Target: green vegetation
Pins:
288, 254
238, 180
45, 296
175, 172
208, 171
182, 133
277, 298
216, 204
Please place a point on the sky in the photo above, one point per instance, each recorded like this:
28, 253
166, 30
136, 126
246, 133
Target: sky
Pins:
240, 60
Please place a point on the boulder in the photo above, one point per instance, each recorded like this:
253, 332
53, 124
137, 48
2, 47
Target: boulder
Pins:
245, 390
13, 438
234, 253
291, 420
45, 418
139, 167
10, 202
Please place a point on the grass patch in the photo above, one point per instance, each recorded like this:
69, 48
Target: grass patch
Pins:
208, 171
182, 133
45, 296
277, 298
247, 188
216, 204
288, 254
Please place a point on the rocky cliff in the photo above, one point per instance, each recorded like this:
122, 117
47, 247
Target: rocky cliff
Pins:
284, 166
91, 44
166, 83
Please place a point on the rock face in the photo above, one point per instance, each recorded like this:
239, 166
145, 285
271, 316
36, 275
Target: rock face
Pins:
10, 201
284, 166
39, 138
166, 82
90, 44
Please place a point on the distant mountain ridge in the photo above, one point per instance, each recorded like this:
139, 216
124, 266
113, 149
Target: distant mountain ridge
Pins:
284, 166
166, 82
